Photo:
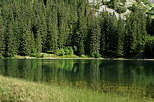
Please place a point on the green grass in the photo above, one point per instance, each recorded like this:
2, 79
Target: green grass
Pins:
50, 56
16, 90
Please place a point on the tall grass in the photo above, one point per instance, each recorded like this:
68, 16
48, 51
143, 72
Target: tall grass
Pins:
16, 90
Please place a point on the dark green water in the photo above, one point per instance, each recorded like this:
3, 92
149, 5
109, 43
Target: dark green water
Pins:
122, 77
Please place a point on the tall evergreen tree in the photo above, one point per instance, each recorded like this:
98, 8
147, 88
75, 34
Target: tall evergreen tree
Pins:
142, 33
52, 29
130, 37
120, 38
10, 42
95, 38
62, 24
2, 29
26, 40
81, 29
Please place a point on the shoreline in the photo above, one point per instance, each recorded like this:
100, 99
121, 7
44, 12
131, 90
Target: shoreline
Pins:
13, 89
88, 58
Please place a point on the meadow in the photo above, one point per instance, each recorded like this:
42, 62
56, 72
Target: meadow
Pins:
17, 90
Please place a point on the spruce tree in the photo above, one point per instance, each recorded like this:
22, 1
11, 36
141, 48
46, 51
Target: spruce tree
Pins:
120, 38
38, 42
81, 29
52, 29
10, 42
2, 29
62, 24
130, 37
141, 33
26, 40
95, 38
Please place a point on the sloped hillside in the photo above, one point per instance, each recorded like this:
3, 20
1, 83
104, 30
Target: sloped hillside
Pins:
121, 7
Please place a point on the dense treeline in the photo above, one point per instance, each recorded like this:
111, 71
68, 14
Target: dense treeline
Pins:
69, 26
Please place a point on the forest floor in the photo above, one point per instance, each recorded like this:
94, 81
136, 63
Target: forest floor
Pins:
17, 90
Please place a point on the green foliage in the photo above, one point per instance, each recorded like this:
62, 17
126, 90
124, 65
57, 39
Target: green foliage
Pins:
113, 4
135, 33
10, 41
95, 38
2, 29
151, 11
96, 55
121, 9
37, 55
133, 8
60, 52
65, 51
55, 25
1, 56
146, 2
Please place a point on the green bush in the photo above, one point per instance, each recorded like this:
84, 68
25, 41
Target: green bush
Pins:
133, 8
151, 11
96, 55
111, 6
65, 51
60, 52
34, 50
121, 9
146, 2
71, 52
1, 56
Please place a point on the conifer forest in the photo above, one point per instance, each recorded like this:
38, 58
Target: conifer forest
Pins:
72, 27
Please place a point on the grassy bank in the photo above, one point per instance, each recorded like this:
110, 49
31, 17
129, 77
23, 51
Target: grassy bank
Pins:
53, 56
16, 90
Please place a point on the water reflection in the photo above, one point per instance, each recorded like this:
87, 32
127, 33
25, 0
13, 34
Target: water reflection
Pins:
103, 75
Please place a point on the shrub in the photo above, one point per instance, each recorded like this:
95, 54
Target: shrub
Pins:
67, 52
71, 52
34, 50
121, 9
151, 11
111, 6
96, 55
60, 52
1, 56
133, 8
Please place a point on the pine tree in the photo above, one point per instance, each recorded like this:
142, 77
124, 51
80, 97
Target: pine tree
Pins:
2, 29
62, 24
52, 29
26, 40
130, 37
95, 38
103, 27
38, 42
10, 42
141, 33
81, 30
120, 38
43, 28
110, 32
80, 37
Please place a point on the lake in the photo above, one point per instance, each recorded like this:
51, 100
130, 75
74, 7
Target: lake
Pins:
128, 77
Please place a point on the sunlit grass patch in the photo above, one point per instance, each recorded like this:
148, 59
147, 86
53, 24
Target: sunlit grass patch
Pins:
16, 90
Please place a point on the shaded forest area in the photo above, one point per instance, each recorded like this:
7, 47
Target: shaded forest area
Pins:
64, 27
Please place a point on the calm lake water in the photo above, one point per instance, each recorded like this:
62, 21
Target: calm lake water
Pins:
123, 77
